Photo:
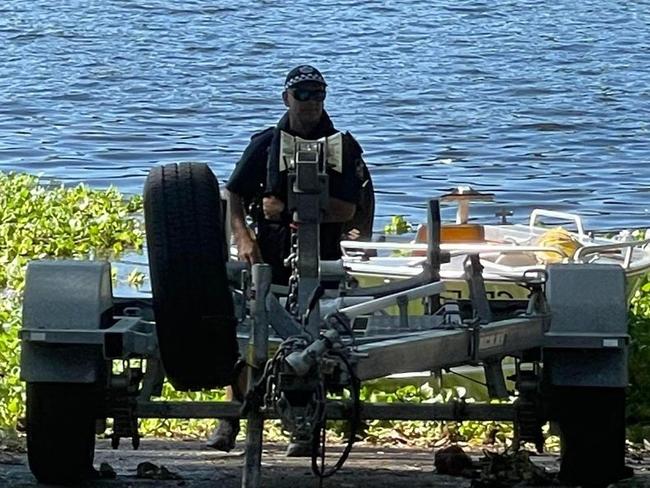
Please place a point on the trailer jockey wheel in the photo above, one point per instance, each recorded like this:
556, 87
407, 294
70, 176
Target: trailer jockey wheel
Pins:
193, 305
592, 435
61, 431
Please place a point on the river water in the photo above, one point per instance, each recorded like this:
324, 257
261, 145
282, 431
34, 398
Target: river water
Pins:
544, 103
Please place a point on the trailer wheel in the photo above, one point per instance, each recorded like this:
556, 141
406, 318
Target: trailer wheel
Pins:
592, 435
61, 431
193, 305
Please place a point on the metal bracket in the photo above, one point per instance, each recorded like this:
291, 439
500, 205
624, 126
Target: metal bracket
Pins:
474, 277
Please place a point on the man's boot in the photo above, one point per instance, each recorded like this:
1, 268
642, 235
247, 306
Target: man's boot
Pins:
224, 436
300, 446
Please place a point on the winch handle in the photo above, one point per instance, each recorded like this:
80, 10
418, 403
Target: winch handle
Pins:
540, 212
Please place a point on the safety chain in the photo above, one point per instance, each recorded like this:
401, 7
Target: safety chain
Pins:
311, 420
267, 396
262, 395
292, 262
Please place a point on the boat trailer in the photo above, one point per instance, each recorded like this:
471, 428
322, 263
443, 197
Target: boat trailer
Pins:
307, 350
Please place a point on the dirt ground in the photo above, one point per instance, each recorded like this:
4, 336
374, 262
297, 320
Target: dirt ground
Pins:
198, 466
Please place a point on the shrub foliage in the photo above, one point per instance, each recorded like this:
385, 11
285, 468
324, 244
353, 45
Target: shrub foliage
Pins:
40, 221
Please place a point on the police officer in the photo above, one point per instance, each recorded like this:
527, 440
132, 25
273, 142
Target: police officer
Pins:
258, 189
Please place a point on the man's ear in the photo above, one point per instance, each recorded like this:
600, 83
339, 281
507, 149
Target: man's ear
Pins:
285, 98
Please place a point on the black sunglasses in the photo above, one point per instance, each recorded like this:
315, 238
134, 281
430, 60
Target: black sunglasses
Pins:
303, 94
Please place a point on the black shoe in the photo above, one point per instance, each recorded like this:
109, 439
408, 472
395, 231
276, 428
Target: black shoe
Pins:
224, 436
300, 448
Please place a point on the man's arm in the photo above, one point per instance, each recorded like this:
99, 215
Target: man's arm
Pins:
361, 224
247, 248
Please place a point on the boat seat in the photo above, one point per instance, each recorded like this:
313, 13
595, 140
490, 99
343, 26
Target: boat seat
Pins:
452, 234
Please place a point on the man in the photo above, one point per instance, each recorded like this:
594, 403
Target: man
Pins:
258, 189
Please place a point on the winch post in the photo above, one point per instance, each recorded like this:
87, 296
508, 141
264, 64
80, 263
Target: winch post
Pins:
308, 197
433, 250
256, 357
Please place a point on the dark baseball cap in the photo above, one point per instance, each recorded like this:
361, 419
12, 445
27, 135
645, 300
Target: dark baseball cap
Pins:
302, 73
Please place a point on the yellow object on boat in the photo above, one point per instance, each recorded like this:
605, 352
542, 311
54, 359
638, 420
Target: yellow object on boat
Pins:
558, 238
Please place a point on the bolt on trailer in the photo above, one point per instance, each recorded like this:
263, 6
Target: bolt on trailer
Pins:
208, 316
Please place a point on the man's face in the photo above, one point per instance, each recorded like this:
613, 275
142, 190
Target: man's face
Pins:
305, 100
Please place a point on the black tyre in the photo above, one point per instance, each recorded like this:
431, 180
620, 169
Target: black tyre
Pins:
193, 305
61, 431
592, 435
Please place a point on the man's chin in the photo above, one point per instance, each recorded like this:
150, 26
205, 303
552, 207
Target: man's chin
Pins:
311, 118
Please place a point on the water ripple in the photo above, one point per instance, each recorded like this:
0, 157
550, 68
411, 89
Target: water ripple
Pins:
538, 102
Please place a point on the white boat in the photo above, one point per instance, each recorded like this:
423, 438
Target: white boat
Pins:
508, 252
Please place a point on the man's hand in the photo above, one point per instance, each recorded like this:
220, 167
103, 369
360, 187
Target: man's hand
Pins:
248, 250
353, 234
272, 207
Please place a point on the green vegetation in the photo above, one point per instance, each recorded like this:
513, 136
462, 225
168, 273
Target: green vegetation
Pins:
54, 221
398, 225
639, 391
428, 433
50, 221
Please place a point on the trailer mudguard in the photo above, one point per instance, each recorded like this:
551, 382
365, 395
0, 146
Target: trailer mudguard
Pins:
587, 342
64, 295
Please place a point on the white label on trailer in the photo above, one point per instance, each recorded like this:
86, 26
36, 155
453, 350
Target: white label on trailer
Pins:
610, 342
492, 340
37, 336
